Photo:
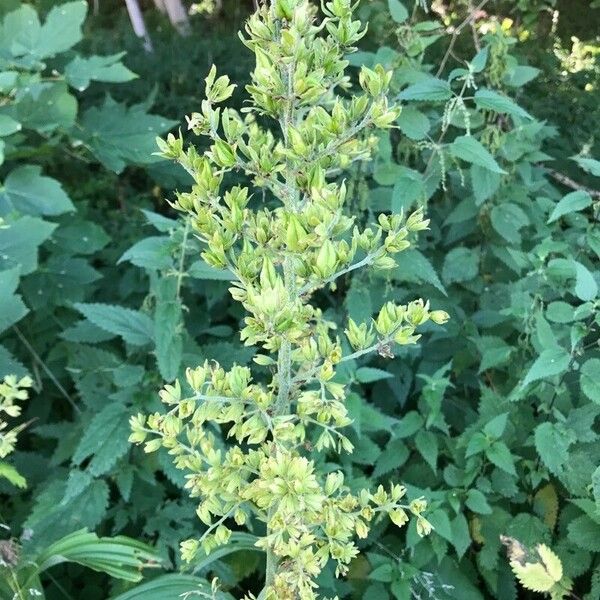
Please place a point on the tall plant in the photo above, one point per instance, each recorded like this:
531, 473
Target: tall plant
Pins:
281, 247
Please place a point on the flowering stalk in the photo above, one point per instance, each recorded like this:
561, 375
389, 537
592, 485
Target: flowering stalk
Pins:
280, 251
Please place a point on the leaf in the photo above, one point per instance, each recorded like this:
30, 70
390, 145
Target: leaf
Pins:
485, 183
519, 75
413, 123
81, 71
461, 264
19, 242
119, 135
200, 270
490, 100
586, 288
105, 438
589, 165
54, 108
507, 219
120, 557
427, 445
585, 533
572, 202
133, 326
8, 125
539, 576
172, 587
499, 454
394, 456
13, 476
428, 90
477, 502
494, 352
30, 192
415, 267
467, 148
167, 329
150, 253
370, 374
551, 362
552, 445
495, 428
12, 308
62, 29
589, 379
596, 487
461, 536
398, 11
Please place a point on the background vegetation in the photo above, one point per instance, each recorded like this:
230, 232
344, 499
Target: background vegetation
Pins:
103, 297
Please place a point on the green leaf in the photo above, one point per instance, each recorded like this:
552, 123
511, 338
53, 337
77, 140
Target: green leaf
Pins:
495, 428
105, 438
551, 362
150, 253
477, 502
590, 165
494, 352
133, 326
413, 123
427, 445
586, 288
13, 476
572, 202
19, 242
8, 125
589, 379
461, 536
12, 308
119, 135
460, 264
30, 192
485, 183
398, 11
81, 71
62, 29
120, 557
200, 270
20, 32
490, 100
467, 148
54, 108
552, 445
172, 587
519, 75
370, 374
428, 90
507, 219
394, 456
167, 329
499, 454
560, 312
596, 487
9, 365
585, 533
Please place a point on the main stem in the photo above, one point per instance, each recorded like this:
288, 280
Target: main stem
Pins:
284, 356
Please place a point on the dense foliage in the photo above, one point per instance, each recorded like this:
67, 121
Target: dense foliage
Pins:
491, 417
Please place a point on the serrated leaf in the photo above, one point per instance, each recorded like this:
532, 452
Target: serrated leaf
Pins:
415, 267
494, 352
428, 90
485, 183
150, 253
499, 454
19, 242
477, 502
552, 445
573, 202
590, 165
167, 333
8, 472
460, 264
426, 443
200, 270
119, 135
394, 456
551, 362
28, 191
490, 100
585, 533
507, 219
467, 148
81, 71
589, 379
413, 123
133, 326
105, 439
370, 374
62, 28
586, 288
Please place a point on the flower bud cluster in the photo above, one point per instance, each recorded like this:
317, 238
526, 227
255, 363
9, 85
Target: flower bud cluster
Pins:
12, 390
281, 246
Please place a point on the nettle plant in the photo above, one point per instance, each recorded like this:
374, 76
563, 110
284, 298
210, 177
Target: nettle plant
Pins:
281, 246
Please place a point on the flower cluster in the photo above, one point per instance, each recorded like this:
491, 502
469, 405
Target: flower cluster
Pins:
281, 247
11, 391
